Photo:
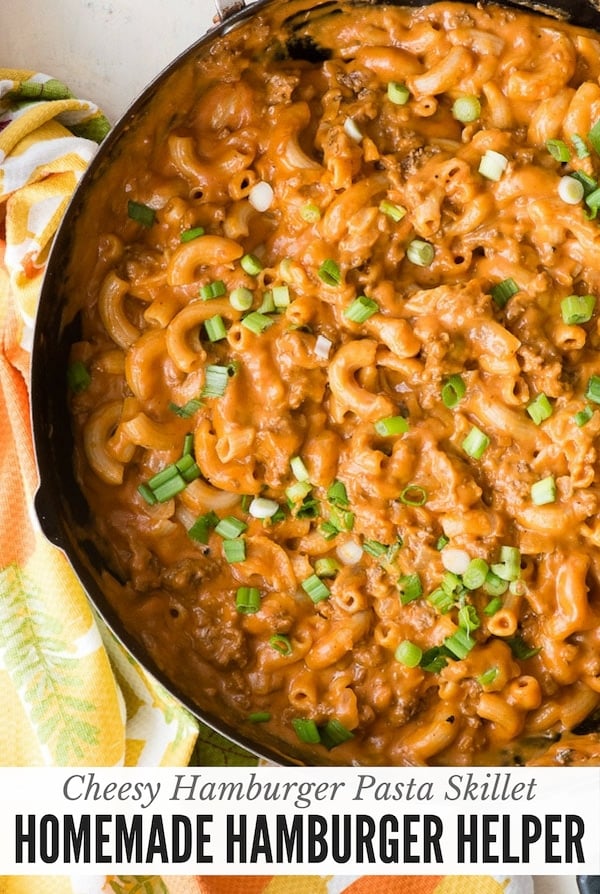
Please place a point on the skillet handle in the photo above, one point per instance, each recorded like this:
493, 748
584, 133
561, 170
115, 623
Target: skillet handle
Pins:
588, 884
226, 8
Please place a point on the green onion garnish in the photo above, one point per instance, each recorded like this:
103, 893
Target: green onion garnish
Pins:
468, 619
310, 212
592, 392
593, 202
329, 272
494, 585
169, 489
251, 264
391, 425
337, 494
594, 136
188, 468
434, 660
544, 491
420, 253
410, 588
413, 495
398, 93
267, 305
466, 109
247, 600
453, 390
315, 588
589, 183
475, 574
395, 212
299, 470
558, 149
241, 298
204, 524
215, 328
281, 643
476, 443
147, 494
306, 730
231, 527
297, 491
493, 164
460, 643
577, 309
259, 717
441, 542
234, 550
192, 233
257, 322
583, 416
509, 566
334, 733
78, 376
375, 548
359, 310
441, 600
326, 567
504, 290
212, 290
580, 146
141, 213
520, 649
188, 409
487, 677
495, 604
408, 654
281, 296
215, 380
540, 409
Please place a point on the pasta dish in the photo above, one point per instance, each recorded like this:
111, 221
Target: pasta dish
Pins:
336, 390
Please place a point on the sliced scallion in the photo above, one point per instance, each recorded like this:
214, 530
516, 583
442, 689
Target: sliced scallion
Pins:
570, 190
257, 322
558, 149
580, 146
493, 164
360, 309
251, 264
326, 566
395, 212
241, 298
460, 643
191, 234
230, 527
476, 443
247, 600
487, 677
263, 507
141, 213
592, 391
281, 643
410, 588
420, 252
582, 417
337, 494
413, 495
453, 390
78, 376
544, 491
314, 587
234, 550
329, 272
503, 291
334, 733
204, 524
408, 654
466, 109
299, 470
540, 409
577, 309
398, 93
594, 137
215, 328
391, 425
216, 378
475, 574
306, 730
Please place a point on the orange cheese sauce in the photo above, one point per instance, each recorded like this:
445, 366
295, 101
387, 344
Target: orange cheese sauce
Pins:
404, 455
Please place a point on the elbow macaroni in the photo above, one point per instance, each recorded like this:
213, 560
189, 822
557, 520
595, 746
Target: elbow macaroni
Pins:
401, 398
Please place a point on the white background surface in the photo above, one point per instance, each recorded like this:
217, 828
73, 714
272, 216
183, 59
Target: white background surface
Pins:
107, 52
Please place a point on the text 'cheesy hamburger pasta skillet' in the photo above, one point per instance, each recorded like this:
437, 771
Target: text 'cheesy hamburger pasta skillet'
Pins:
334, 383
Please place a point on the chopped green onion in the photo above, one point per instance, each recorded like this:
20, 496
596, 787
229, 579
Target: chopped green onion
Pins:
326, 567
359, 310
583, 416
475, 574
413, 495
341, 519
259, 717
520, 649
231, 527
504, 290
441, 600
169, 489
570, 190
212, 290
441, 542
310, 212
192, 233
247, 600
188, 468
262, 507
452, 583
487, 677
306, 730
391, 425
495, 604
408, 654
167, 474
268, 303
544, 491
257, 322
494, 585
204, 524
78, 376
141, 213
593, 202
337, 494
315, 588
215, 380
234, 550
493, 164
215, 328
188, 409
580, 146
589, 183
396, 212
453, 390
420, 253
577, 309
299, 470
281, 643
468, 619
297, 491
188, 447
410, 588
460, 643
476, 443
251, 264
466, 109
241, 298
375, 548
281, 296
509, 566
329, 530
309, 509
594, 136
334, 733
540, 409
559, 150
398, 93
147, 493
592, 392
434, 660
329, 272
